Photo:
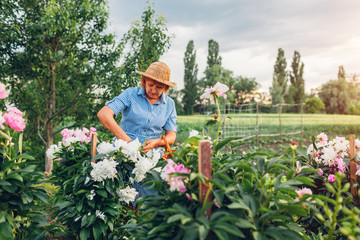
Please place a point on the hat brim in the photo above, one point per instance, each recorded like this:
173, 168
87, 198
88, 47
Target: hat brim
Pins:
171, 84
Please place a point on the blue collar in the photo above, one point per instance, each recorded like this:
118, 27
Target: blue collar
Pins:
141, 91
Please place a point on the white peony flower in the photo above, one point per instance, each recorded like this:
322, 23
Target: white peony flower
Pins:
329, 156
104, 169
119, 143
193, 133
50, 153
92, 195
145, 164
105, 148
127, 194
131, 149
100, 215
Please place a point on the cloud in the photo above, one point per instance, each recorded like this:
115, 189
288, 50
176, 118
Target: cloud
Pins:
249, 33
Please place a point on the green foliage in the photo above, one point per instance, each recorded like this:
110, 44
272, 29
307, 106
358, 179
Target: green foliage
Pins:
337, 95
147, 41
280, 79
20, 191
253, 198
314, 105
338, 218
57, 60
190, 91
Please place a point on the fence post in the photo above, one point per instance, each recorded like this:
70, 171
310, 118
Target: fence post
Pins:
93, 146
353, 188
204, 164
257, 123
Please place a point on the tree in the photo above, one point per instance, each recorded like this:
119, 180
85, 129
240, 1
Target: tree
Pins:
56, 58
190, 91
147, 41
341, 73
314, 105
280, 79
213, 68
337, 95
244, 89
297, 81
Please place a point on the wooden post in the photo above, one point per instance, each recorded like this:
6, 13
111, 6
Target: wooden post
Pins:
204, 162
93, 146
353, 187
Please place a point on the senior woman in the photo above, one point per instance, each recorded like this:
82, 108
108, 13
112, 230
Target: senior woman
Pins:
146, 110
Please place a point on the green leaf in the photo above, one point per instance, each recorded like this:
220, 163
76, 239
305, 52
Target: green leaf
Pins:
64, 204
96, 232
102, 193
4, 135
24, 156
15, 176
4, 183
223, 143
229, 229
42, 196
5, 231
84, 234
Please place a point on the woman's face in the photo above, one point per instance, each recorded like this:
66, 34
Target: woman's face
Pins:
153, 89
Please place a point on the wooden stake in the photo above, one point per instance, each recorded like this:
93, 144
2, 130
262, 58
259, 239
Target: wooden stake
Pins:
353, 188
93, 146
204, 162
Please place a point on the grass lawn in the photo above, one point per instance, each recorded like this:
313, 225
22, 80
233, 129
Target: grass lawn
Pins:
245, 124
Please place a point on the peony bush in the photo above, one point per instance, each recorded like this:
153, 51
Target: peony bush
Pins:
21, 192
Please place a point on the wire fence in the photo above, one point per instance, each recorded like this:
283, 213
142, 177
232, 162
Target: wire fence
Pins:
255, 120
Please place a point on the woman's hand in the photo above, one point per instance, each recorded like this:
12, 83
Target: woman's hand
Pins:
150, 144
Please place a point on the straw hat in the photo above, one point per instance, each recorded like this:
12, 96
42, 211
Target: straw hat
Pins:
160, 72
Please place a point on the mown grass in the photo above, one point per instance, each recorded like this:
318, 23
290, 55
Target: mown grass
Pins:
245, 124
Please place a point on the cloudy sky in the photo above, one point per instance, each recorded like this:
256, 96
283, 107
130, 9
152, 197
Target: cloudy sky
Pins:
326, 33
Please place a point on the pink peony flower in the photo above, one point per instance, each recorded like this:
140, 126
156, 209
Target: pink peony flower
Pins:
66, 133
331, 178
176, 183
320, 171
303, 191
189, 197
322, 138
3, 93
219, 90
14, 119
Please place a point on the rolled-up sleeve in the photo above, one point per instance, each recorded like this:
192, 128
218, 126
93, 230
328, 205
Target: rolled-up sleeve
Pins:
120, 102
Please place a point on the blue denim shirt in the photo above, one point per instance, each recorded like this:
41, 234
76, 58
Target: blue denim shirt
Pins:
141, 119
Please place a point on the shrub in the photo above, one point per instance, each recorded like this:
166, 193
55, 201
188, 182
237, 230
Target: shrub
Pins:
314, 105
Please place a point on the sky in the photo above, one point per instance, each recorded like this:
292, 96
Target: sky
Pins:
326, 33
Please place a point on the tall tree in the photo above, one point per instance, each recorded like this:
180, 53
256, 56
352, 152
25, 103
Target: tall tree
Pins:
56, 58
297, 80
213, 68
146, 41
280, 79
341, 73
190, 91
